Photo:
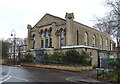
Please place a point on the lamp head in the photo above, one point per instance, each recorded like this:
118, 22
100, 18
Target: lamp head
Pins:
11, 34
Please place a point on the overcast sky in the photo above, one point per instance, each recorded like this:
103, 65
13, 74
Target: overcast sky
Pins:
16, 14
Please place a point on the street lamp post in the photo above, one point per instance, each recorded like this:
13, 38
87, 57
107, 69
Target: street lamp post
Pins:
13, 33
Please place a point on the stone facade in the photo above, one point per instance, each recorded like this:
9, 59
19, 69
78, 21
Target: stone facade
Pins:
55, 33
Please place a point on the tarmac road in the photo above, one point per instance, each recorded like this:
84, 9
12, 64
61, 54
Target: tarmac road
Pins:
32, 74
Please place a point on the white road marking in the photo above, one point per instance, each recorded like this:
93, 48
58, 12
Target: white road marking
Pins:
5, 79
8, 76
70, 79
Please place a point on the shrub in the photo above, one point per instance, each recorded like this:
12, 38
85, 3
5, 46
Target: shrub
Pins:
29, 57
71, 56
85, 58
9, 61
111, 76
56, 56
114, 63
44, 56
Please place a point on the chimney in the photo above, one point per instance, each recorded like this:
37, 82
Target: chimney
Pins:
29, 27
69, 29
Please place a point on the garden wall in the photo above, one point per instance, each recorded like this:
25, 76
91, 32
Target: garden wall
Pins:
59, 67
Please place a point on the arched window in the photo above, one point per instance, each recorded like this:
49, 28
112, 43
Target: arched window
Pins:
101, 43
42, 35
65, 36
94, 40
42, 39
111, 45
50, 39
46, 38
106, 44
62, 38
86, 39
41, 32
77, 37
33, 41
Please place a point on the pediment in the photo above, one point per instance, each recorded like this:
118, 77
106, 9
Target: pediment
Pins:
48, 19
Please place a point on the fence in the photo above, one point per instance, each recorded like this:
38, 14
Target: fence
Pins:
52, 62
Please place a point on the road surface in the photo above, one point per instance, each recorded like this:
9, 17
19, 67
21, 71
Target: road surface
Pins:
32, 74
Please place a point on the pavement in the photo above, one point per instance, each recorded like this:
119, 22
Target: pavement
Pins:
87, 78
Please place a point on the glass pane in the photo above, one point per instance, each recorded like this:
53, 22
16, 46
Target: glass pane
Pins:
46, 43
50, 42
42, 35
42, 43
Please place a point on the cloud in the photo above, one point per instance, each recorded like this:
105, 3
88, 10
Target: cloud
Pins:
16, 14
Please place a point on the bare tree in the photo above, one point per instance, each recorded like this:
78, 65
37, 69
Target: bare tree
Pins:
18, 41
111, 22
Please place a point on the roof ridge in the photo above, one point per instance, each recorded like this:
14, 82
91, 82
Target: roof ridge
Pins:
55, 16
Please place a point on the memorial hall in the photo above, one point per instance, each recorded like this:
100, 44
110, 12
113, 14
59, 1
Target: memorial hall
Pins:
52, 33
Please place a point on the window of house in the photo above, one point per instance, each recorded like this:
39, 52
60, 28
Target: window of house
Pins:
46, 39
42, 35
42, 39
42, 43
62, 38
77, 37
106, 43
46, 34
101, 43
46, 43
50, 43
65, 36
94, 40
86, 38
33, 41
111, 45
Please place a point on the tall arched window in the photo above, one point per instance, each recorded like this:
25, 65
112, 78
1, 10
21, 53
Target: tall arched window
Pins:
46, 38
33, 41
77, 37
94, 40
65, 36
86, 39
111, 45
42, 39
106, 44
101, 43
50, 39
62, 38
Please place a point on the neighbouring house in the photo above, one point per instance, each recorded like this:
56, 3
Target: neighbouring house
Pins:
20, 49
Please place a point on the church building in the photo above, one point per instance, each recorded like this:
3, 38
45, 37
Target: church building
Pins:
53, 33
